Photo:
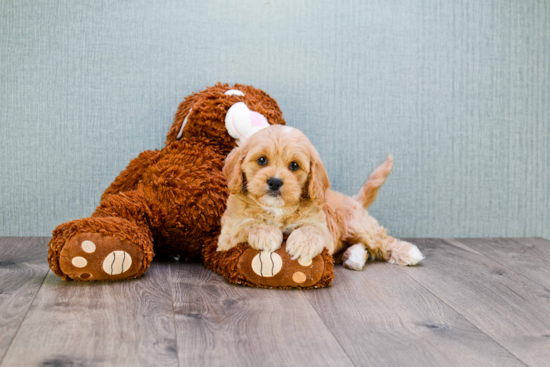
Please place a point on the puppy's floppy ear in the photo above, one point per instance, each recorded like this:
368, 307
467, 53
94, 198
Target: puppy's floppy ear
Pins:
233, 171
318, 178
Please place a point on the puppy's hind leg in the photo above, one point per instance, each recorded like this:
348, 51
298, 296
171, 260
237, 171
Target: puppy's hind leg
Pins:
355, 257
403, 252
383, 247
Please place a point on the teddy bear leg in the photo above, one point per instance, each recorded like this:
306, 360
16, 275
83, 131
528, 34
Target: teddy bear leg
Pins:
115, 243
92, 249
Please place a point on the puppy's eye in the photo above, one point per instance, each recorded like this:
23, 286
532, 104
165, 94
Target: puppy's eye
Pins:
294, 166
262, 161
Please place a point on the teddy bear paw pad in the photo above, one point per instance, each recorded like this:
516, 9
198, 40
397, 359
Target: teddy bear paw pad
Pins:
92, 256
117, 262
267, 264
277, 269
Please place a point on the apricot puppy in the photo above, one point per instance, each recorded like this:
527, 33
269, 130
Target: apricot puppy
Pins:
279, 186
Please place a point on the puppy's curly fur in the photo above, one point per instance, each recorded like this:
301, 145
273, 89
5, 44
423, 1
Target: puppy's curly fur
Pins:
279, 186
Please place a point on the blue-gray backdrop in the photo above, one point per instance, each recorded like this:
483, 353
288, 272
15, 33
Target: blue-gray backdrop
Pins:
457, 90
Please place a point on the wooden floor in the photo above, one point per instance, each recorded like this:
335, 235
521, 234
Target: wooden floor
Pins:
474, 302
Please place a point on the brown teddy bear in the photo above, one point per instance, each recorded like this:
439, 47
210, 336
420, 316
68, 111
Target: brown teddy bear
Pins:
174, 198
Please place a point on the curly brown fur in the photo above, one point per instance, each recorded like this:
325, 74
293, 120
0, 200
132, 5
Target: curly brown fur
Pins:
176, 195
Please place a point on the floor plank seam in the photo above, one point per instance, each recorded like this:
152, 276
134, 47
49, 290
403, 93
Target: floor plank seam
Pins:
463, 316
504, 265
24, 317
174, 315
329, 330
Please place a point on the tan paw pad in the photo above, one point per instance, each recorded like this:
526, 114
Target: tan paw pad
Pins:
299, 277
117, 262
88, 246
267, 264
305, 262
79, 261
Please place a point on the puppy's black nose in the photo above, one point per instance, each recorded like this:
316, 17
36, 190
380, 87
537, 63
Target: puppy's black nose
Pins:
274, 183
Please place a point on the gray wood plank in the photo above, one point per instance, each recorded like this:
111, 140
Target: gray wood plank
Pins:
23, 267
382, 317
220, 324
529, 257
470, 302
126, 323
508, 307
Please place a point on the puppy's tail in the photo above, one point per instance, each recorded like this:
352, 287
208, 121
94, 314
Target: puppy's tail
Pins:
367, 194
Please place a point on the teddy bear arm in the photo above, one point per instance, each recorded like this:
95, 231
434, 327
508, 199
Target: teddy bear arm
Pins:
128, 179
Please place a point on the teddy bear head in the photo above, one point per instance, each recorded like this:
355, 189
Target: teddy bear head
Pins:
224, 116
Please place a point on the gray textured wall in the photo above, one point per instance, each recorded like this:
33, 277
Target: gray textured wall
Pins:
457, 90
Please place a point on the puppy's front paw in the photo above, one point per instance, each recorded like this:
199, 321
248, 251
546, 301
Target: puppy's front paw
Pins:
265, 238
305, 244
226, 242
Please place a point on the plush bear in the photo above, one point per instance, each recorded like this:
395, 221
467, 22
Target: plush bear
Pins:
171, 200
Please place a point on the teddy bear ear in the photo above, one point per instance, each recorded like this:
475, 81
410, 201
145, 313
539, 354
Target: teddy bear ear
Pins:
241, 123
180, 120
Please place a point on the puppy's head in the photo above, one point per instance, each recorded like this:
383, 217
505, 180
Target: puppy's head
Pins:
277, 166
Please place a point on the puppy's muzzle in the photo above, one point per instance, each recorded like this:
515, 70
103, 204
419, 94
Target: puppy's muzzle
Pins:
274, 184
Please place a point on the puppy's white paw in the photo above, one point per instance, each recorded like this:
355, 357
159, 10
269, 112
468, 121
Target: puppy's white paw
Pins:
265, 238
305, 244
355, 257
415, 256
405, 253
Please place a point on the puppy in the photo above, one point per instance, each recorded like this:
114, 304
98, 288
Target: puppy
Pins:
279, 186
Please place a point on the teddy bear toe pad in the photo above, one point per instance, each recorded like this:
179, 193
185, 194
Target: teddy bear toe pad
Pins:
92, 256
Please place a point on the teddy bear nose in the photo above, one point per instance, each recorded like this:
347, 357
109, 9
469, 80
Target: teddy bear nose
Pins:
274, 183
